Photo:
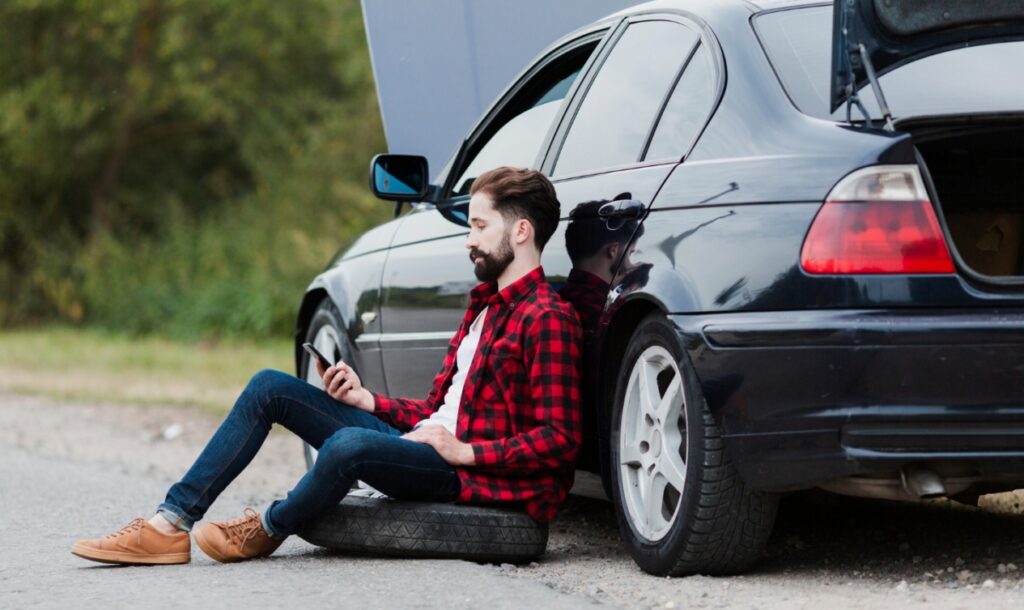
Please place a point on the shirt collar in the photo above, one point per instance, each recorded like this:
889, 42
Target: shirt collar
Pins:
488, 291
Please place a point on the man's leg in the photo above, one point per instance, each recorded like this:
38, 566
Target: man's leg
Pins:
400, 468
271, 397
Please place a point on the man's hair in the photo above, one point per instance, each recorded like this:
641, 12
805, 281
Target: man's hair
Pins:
522, 193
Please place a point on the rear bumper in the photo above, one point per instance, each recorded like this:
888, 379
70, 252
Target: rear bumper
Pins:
811, 396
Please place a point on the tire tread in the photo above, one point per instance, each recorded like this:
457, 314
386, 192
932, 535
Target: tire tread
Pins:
383, 526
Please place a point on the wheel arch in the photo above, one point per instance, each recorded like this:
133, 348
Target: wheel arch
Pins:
313, 297
621, 325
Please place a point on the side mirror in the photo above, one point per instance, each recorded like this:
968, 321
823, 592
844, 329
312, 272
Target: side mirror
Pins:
399, 177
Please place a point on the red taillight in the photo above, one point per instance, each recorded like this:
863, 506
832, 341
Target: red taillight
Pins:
877, 220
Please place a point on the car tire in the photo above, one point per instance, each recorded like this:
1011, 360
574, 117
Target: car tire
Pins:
381, 526
326, 333
681, 506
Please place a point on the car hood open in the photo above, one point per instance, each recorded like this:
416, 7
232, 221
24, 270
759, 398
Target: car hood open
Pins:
897, 32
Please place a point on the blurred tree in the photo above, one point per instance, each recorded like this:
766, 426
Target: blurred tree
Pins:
153, 127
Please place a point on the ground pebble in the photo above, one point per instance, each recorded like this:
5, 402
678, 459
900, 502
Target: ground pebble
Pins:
959, 561
964, 575
988, 584
902, 586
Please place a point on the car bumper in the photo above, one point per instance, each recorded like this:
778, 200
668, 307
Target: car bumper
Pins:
807, 397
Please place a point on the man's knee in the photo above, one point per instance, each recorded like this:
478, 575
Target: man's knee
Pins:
269, 378
346, 450
263, 387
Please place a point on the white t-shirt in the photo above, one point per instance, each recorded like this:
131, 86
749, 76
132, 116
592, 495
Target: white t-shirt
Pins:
448, 414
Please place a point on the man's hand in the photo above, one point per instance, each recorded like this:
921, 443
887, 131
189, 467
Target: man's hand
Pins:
451, 449
342, 384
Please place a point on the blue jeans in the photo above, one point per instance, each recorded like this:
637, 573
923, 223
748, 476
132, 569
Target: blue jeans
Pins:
352, 444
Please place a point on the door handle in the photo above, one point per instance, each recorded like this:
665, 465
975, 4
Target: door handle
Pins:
628, 208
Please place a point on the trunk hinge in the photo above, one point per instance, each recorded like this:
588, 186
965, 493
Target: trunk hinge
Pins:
859, 55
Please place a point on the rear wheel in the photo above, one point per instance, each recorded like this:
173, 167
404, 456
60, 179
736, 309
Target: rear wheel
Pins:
325, 333
681, 506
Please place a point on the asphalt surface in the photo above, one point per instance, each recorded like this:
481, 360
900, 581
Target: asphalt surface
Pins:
71, 470
50, 496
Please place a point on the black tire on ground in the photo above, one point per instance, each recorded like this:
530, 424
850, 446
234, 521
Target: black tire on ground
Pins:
382, 526
326, 322
716, 525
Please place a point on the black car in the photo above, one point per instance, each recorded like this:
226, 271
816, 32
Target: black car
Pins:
803, 229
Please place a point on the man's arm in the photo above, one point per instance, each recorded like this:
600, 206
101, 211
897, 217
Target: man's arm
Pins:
552, 354
343, 384
402, 413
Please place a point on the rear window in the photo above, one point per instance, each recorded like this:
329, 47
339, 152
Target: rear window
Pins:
978, 79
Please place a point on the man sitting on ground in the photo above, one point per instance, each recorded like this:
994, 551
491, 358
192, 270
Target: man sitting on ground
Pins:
501, 424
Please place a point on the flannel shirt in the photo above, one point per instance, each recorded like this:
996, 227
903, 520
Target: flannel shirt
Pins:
520, 405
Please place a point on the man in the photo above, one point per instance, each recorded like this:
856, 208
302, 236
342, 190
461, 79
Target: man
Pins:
501, 424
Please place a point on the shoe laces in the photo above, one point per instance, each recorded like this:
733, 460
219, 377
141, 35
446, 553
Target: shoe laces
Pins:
244, 528
135, 525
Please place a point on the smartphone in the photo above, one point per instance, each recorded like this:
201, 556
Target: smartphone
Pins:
314, 353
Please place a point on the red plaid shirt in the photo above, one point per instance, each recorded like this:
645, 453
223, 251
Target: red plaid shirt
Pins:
520, 406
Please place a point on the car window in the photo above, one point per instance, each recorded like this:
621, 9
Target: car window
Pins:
687, 109
517, 135
615, 117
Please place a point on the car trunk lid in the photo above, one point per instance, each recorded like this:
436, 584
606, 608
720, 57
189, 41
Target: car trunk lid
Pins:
886, 34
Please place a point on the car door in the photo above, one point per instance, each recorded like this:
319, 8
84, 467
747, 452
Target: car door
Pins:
635, 119
427, 276
652, 91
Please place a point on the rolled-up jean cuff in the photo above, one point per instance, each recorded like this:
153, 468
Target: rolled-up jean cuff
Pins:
174, 515
265, 522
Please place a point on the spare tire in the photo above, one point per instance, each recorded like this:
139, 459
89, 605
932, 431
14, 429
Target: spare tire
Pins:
382, 526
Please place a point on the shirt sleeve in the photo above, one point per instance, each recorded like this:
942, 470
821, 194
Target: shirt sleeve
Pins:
552, 358
402, 413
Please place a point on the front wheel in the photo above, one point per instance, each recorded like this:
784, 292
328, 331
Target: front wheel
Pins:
325, 333
681, 506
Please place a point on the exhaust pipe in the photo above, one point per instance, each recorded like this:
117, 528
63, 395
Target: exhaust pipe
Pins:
922, 483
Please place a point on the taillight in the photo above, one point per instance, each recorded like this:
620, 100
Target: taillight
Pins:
877, 220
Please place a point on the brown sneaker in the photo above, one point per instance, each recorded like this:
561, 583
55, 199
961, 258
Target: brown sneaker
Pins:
236, 540
137, 543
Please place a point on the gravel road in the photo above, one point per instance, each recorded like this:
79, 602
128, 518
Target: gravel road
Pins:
71, 470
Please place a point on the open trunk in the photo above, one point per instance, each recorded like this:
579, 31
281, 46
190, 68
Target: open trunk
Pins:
977, 174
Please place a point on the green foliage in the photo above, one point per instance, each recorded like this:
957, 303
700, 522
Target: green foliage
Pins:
181, 166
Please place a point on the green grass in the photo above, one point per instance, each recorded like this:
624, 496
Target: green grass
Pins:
92, 365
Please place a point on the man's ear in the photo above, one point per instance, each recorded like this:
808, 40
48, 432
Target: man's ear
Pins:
523, 231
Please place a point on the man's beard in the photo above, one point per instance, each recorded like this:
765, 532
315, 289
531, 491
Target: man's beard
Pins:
488, 267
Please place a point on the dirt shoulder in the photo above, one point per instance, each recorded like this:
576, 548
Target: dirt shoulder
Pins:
824, 551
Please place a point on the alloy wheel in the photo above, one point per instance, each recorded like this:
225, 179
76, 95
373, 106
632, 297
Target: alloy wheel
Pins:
652, 443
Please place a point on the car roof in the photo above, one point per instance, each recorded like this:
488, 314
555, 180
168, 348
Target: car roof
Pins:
767, 5
703, 7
